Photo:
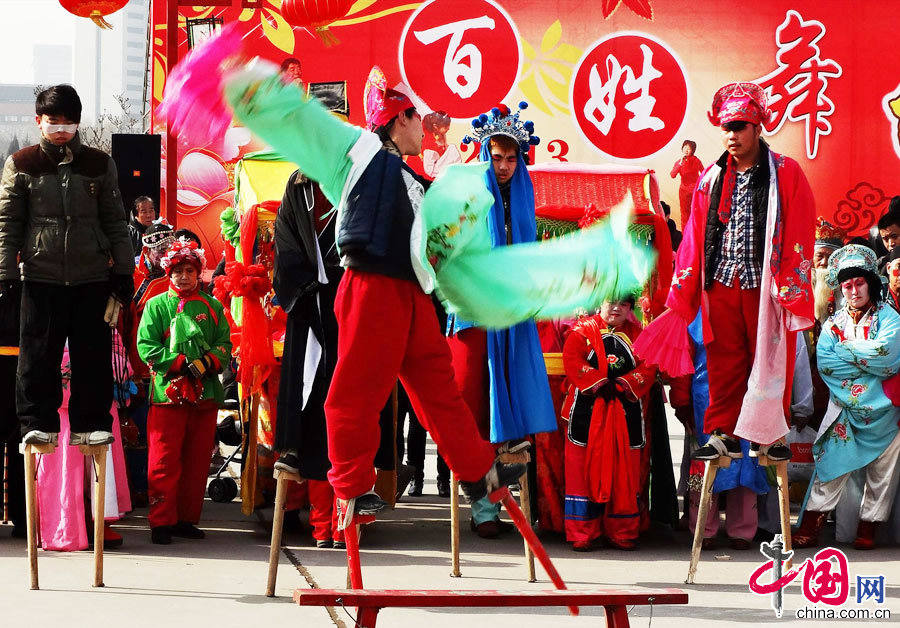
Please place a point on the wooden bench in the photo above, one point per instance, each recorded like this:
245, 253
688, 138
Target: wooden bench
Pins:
369, 602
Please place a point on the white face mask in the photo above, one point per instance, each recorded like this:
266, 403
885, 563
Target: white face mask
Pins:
50, 129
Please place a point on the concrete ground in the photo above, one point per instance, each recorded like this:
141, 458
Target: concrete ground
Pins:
220, 581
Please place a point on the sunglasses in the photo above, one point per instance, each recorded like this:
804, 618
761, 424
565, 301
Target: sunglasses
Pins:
738, 125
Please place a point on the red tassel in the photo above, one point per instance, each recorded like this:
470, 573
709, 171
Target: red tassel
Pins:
665, 343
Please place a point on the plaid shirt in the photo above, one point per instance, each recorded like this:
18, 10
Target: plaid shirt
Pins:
739, 242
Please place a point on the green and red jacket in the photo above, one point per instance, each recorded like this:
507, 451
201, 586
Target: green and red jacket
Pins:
165, 364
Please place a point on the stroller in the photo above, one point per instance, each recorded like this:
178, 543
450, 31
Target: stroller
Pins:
229, 433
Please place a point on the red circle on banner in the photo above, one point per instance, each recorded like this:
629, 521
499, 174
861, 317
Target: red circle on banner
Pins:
629, 95
460, 56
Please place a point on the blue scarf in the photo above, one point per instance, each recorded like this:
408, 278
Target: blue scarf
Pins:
519, 390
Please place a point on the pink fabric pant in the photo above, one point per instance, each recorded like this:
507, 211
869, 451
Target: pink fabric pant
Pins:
180, 440
388, 328
740, 513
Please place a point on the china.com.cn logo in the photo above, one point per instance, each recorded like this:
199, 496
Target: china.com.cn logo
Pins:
826, 581
461, 56
629, 95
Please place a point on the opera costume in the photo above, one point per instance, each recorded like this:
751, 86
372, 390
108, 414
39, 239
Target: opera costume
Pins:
398, 242
858, 357
607, 450
185, 339
307, 272
501, 372
742, 279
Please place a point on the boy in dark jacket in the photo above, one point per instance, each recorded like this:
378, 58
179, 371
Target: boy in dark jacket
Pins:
64, 238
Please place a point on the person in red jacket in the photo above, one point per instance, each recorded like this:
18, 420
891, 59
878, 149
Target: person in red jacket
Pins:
689, 167
607, 454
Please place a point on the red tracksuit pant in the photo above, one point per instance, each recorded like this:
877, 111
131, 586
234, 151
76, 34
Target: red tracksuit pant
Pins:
388, 328
469, 351
733, 317
180, 440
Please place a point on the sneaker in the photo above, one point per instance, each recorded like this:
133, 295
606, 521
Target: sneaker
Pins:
340, 545
324, 543
187, 531
368, 504
417, 485
98, 437
37, 437
717, 446
288, 462
776, 452
161, 535
499, 475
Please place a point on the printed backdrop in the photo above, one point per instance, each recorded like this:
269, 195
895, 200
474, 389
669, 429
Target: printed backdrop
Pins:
622, 81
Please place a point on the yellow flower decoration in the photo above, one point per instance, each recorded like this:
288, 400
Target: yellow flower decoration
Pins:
547, 72
274, 27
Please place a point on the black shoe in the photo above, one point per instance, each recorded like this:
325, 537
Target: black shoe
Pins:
499, 475
161, 535
339, 545
187, 531
505, 526
405, 475
718, 446
288, 462
324, 543
443, 488
417, 484
368, 504
779, 452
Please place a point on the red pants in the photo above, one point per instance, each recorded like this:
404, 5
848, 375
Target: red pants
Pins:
740, 513
180, 439
388, 328
733, 317
684, 202
468, 349
586, 520
322, 513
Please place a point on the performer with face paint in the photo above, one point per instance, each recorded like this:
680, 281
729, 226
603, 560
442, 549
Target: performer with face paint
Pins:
858, 354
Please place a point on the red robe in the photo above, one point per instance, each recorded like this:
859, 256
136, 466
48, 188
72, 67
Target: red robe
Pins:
606, 480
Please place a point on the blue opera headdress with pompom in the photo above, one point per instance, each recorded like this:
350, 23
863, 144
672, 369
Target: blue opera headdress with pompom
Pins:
501, 121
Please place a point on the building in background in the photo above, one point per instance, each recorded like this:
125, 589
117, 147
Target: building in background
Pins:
52, 64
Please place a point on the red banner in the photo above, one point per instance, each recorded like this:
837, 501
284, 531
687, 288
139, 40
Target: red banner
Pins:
627, 82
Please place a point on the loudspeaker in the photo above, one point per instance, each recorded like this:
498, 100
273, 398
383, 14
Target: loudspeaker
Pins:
137, 158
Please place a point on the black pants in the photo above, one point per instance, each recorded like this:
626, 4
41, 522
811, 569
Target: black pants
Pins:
415, 439
9, 442
51, 314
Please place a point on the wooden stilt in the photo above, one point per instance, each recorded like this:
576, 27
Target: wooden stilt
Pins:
98, 455
454, 524
709, 476
525, 500
784, 500
29, 452
281, 485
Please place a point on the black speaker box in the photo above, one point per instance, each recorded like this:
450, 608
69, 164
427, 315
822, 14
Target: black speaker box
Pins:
137, 158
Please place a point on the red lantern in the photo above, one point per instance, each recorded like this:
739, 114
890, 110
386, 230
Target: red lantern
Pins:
93, 9
316, 15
